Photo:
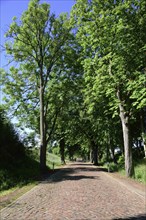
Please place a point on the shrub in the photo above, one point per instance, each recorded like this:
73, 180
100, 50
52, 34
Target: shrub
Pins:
121, 162
140, 170
112, 167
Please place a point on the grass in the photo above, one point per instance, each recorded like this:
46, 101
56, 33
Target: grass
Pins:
25, 171
50, 159
13, 194
8, 191
140, 171
20, 174
53, 159
139, 167
18, 178
24, 188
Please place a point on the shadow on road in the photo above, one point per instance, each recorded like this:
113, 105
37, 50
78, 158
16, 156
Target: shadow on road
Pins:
138, 217
77, 172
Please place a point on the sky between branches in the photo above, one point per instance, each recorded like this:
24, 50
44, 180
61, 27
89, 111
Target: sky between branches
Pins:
11, 8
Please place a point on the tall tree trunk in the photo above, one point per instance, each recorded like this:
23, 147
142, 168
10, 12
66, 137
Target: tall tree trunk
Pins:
91, 154
107, 153
111, 150
96, 155
112, 154
125, 118
42, 132
62, 148
95, 152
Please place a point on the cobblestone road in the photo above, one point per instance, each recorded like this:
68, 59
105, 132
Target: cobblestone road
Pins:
78, 192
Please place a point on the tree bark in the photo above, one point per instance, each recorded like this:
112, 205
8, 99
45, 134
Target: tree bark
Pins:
112, 155
95, 152
62, 148
125, 120
91, 154
42, 131
111, 150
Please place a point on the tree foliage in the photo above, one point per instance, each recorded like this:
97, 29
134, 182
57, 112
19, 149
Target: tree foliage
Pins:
38, 44
114, 58
81, 80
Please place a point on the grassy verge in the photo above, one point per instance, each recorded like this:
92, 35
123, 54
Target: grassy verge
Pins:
140, 169
10, 195
24, 173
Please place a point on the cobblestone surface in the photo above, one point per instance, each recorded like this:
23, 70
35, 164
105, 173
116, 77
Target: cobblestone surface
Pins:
78, 192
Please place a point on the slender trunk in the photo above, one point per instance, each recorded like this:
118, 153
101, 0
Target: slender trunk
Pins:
112, 154
127, 147
107, 153
42, 132
91, 154
95, 155
111, 150
62, 148
124, 116
95, 152
127, 140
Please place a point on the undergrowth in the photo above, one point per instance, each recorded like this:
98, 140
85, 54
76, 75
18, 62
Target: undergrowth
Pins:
139, 167
24, 171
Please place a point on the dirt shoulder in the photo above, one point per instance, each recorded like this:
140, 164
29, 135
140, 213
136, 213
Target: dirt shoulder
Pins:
129, 183
13, 195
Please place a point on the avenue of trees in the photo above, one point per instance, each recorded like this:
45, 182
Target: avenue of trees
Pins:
80, 80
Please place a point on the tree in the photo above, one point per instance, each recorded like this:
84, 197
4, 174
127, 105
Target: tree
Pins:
67, 90
36, 44
114, 56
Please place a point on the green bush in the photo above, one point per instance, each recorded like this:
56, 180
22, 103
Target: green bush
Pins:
103, 160
140, 170
56, 150
121, 162
112, 167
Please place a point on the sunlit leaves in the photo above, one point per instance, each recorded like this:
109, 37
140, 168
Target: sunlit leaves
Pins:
109, 34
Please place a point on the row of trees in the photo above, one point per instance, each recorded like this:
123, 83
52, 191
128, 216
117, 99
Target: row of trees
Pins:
114, 62
80, 80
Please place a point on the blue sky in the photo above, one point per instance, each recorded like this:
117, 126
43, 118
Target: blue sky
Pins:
11, 8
